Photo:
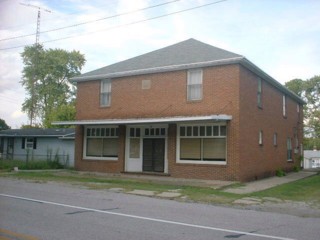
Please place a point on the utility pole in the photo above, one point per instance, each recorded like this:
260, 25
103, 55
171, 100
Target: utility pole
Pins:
32, 112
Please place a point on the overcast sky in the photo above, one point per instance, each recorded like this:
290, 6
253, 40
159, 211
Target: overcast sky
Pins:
282, 37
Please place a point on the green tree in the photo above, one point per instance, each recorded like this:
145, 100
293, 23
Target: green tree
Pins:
63, 112
309, 91
3, 125
46, 75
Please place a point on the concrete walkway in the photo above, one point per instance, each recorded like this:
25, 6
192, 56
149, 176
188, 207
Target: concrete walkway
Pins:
264, 184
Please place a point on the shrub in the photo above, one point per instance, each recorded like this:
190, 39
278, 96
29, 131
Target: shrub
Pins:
296, 169
280, 173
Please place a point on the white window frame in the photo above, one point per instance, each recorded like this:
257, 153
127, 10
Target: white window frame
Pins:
178, 160
284, 105
105, 92
275, 139
192, 82
260, 137
29, 143
85, 142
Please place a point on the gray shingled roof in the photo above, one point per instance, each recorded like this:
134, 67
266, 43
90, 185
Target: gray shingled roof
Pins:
35, 132
183, 55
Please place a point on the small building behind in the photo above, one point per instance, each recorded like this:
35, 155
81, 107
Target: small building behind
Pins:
311, 159
38, 144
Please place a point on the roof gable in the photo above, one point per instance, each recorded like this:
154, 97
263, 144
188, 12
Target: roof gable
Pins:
187, 52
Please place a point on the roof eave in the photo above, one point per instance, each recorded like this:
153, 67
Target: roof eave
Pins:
164, 120
26, 135
157, 69
252, 67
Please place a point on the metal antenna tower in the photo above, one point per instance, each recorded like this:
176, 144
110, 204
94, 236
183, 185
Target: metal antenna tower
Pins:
38, 19
33, 107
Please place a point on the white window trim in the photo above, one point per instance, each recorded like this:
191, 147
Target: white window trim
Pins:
261, 138
85, 157
26, 143
275, 139
189, 99
284, 105
142, 136
101, 92
178, 160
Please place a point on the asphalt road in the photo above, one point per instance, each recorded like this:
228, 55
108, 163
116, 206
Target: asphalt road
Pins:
34, 211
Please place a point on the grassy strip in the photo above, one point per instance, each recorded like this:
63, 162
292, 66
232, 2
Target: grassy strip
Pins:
307, 189
8, 165
199, 194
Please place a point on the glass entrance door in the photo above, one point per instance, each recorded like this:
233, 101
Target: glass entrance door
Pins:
153, 154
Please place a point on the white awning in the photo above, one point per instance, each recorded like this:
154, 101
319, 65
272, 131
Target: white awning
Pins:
219, 117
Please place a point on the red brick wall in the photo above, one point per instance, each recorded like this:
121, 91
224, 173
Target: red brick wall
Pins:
99, 165
261, 161
166, 97
229, 89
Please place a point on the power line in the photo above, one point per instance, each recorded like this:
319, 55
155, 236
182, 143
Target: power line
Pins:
123, 25
91, 21
66, 15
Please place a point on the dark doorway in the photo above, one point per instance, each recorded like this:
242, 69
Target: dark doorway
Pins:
153, 154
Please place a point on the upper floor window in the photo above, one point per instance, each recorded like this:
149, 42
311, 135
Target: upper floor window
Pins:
194, 85
284, 105
105, 93
260, 138
259, 93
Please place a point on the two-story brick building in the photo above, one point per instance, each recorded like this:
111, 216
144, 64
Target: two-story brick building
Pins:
189, 110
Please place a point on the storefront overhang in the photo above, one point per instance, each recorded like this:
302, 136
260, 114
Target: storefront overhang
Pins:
132, 121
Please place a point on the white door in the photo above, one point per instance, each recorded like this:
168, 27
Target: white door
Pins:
133, 150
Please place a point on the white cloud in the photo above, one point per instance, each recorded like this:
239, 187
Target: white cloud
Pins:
17, 114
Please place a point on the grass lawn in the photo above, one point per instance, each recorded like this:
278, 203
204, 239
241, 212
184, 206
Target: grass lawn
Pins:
307, 189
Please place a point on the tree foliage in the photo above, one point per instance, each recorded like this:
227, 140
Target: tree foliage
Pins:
63, 112
3, 125
309, 90
46, 75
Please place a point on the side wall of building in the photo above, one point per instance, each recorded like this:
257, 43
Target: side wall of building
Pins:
258, 160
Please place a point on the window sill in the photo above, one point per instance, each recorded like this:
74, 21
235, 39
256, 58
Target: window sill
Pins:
194, 101
107, 106
88, 158
202, 162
